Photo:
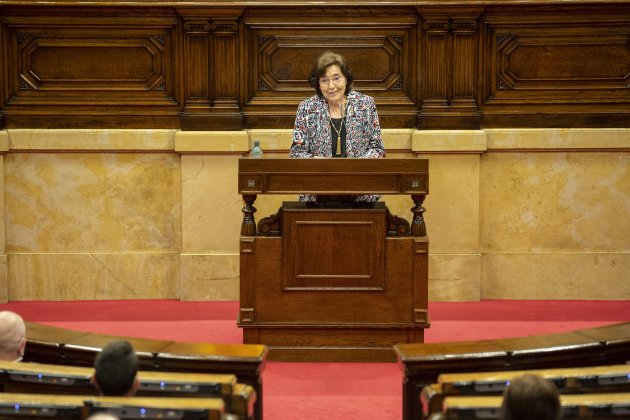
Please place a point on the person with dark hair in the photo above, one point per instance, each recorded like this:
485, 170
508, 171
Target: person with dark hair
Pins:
337, 121
12, 336
530, 397
115, 369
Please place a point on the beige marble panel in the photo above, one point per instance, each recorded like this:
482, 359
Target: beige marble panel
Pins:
92, 202
232, 142
556, 276
211, 205
272, 141
4, 283
93, 276
452, 206
453, 141
209, 277
91, 139
562, 201
279, 141
4, 140
454, 277
558, 139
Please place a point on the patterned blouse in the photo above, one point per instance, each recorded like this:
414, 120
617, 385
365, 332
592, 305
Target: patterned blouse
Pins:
312, 134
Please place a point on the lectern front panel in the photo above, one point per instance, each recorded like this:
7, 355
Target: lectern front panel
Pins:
333, 249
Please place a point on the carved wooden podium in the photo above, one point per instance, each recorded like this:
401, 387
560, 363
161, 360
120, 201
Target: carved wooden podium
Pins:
333, 282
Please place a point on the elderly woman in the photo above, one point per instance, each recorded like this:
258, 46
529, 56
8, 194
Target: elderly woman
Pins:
337, 121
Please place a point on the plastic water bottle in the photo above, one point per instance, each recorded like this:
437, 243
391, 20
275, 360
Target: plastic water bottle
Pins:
256, 152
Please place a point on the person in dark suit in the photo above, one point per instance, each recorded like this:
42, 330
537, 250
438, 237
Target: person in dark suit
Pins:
116, 369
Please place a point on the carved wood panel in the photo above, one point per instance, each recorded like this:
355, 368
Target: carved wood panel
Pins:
567, 63
449, 68
280, 57
68, 64
227, 68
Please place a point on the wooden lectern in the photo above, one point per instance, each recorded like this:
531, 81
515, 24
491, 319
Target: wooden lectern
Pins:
333, 282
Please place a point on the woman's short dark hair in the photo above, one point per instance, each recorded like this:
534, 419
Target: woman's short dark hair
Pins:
324, 61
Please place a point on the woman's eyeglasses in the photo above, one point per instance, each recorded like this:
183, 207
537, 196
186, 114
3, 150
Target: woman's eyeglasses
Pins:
325, 81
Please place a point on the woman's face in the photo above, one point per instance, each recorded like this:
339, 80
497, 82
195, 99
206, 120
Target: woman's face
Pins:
333, 84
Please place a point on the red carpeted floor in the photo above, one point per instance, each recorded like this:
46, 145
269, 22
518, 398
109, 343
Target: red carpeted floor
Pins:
323, 390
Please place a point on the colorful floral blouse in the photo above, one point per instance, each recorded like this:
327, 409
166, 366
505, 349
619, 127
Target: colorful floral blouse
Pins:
312, 135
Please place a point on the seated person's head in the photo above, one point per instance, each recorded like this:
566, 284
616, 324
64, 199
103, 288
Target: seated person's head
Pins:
102, 416
115, 369
12, 336
530, 397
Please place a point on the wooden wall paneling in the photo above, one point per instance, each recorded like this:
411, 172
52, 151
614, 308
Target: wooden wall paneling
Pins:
465, 56
281, 48
556, 67
449, 68
89, 64
226, 72
211, 68
196, 68
227, 68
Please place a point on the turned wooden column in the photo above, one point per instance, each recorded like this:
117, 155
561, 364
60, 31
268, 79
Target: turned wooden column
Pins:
248, 227
418, 227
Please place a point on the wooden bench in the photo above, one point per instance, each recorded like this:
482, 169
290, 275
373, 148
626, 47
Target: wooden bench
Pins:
422, 363
54, 345
20, 406
27, 377
602, 406
593, 379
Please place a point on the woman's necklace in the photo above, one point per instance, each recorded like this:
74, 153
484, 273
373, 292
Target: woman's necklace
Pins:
340, 129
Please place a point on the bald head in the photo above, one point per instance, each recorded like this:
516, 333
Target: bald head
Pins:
12, 336
102, 416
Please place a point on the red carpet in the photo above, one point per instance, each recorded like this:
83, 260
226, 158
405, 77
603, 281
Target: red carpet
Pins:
323, 390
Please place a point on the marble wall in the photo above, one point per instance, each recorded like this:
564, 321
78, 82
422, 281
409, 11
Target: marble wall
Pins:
139, 214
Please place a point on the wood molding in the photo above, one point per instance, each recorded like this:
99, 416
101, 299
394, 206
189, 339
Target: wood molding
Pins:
231, 66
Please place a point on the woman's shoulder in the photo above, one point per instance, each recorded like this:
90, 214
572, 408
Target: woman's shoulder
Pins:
355, 96
315, 99
311, 104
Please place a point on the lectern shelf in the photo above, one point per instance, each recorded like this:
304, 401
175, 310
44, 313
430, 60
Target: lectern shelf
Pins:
333, 177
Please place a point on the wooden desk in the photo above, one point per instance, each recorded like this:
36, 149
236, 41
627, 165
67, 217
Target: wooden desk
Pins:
588, 379
333, 283
422, 363
15, 405
614, 405
39, 378
68, 347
